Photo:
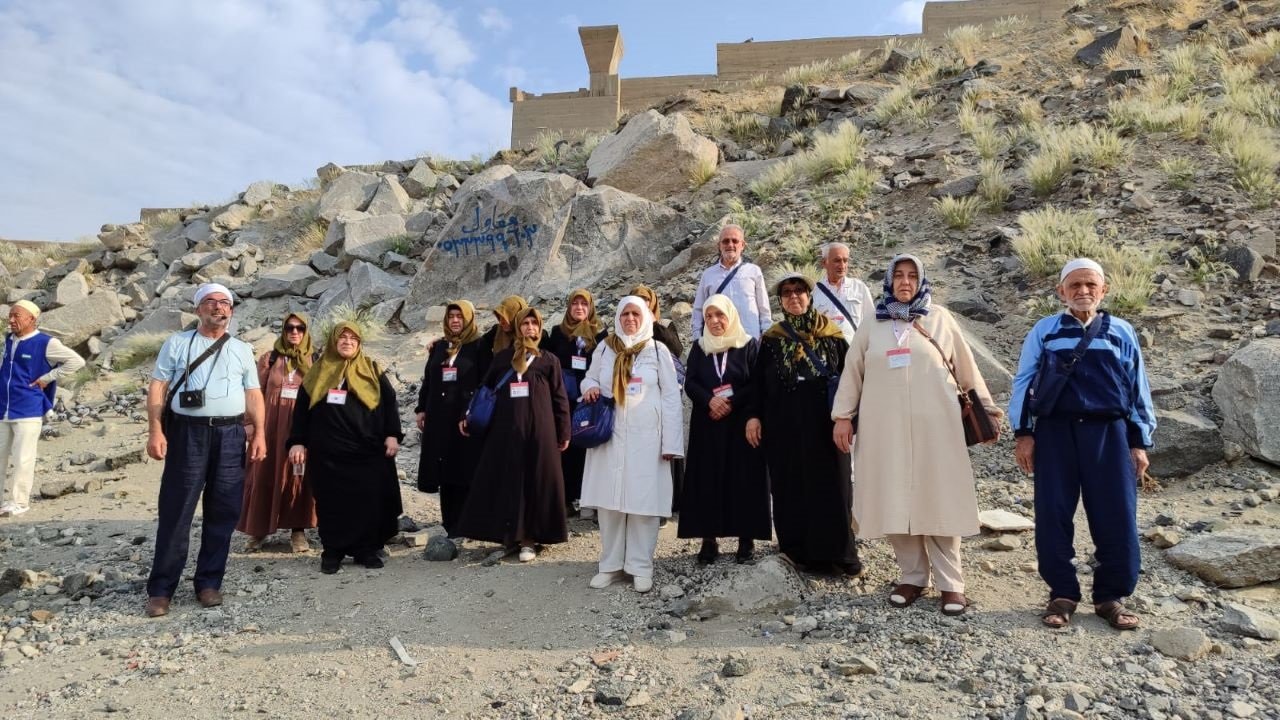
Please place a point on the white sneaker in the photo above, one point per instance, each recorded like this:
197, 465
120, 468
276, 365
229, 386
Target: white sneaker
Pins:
12, 509
605, 579
527, 554
642, 584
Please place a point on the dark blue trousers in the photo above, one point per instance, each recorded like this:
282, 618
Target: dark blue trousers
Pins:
1088, 458
202, 464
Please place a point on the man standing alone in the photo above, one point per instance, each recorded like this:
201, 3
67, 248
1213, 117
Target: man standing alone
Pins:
842, 299
202, 441
30, 368
742, 281
1082, 413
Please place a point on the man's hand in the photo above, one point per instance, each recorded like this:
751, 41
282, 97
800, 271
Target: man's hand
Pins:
422, 421
1025, 454
40, 383
754, 432
298, 455
157, 445
842, 435
257, 448
393, 446
1140, 462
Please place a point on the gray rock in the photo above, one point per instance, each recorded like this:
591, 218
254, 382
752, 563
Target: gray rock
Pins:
17, 579
197, 231
769, 584
389, 198
899, 59
170, 249
736, 667
1004, 521
1247, 621
1183, 643
481, 180
370, 285
1246, 261
258, 193
1247, 392
963, 187
1184, 443
421, 181
652, 156
284, 280
1190, 297
1234, 557
76, 322
72, 288
729, 711
117, 237
440, 549
856, 665
1263, 241
973, 305
197, 260
328, 173
367, 237
322, 262
805, 624
1241, 709
420, 222
51, 489
1003, 543
161, 320
998, 378
232, 218
348, 191
1093, 53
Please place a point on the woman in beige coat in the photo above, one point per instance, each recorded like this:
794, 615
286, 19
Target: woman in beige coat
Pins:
915, 484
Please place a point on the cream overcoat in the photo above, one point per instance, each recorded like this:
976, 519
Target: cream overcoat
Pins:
913, 470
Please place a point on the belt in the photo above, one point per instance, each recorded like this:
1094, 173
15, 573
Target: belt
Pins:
210, 421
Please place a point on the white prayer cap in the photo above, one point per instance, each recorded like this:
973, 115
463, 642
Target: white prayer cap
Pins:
1081, 264
208, 289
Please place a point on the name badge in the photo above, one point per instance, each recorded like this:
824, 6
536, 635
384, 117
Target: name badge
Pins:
898, 358
289, 392
449, 374
634, 386
578, 362
519, 389
724, 391
337, 397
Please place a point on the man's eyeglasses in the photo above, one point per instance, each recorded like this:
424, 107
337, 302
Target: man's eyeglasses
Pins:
211, 302
295, 328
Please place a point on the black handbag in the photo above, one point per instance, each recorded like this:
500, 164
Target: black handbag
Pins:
977, 423
1054, 372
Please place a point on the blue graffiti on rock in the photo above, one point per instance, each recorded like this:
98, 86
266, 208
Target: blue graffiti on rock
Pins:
492, 233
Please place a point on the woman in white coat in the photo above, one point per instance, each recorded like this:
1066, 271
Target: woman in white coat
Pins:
628, 478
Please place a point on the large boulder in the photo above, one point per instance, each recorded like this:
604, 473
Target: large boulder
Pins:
421, 181
998, 378
233, 218
389, 198
348, 191
284, 280
479, 181
653, 156
161, 320
72, 288
1236, 557
370, 285
363, 237
75, 323
258, 193
1248, 394
117, 237
1184, 443
1123, 40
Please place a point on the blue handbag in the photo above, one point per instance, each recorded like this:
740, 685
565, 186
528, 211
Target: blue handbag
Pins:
571, 388
480, 411
592, 423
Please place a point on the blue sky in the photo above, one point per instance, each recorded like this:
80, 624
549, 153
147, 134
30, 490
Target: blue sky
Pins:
107, 106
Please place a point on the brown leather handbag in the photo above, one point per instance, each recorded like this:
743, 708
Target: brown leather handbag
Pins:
978, 425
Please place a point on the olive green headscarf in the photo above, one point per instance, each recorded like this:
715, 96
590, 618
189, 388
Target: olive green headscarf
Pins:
523, 346
508, 309
299, 358
587, 329
360, 372
469, 330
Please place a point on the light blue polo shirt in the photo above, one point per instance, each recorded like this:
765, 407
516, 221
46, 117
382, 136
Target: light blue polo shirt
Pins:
224, 376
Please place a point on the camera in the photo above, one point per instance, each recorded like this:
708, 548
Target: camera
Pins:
191, 399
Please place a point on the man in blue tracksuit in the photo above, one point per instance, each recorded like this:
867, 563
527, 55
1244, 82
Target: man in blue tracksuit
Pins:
1086, 434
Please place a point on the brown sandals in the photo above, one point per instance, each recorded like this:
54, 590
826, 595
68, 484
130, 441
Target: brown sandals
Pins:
908, 593
1057, 614
953, 603
1117, 616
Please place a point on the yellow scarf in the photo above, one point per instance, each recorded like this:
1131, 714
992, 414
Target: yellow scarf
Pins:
469, 330
523, 346
298, 358
625, 356
360, 372
508, 309
587, 329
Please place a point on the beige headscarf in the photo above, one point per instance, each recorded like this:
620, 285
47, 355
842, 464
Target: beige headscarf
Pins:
360, 372
650, 297
734, 335
469, 330
508, 309
586, 329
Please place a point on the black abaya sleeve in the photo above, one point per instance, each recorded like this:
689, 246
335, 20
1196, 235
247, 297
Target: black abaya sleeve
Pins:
388, 412
759, 382
745, 396
559, 399
298, 429
424, 392
698, 393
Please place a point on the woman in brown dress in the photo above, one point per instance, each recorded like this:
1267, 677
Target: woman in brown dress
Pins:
273, 496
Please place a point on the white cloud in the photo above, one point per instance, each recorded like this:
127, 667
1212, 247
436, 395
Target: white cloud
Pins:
131, 103
493, 20
512, 75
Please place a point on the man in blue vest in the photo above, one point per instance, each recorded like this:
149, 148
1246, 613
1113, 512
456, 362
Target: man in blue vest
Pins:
32, 364
1081, 410
203, 445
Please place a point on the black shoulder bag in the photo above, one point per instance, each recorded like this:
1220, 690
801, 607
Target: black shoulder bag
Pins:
166, 412
1054, 372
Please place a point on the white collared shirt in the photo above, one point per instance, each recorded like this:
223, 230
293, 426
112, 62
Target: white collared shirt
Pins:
854, 295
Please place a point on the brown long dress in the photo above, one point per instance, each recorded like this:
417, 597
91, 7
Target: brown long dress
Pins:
273, 497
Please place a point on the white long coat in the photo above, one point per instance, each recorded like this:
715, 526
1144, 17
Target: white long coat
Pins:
627, 474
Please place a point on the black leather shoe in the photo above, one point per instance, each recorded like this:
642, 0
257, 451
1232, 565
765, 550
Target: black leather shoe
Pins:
330, 565
373, 562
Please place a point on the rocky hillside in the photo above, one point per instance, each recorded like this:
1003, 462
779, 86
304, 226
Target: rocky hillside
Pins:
1142, 132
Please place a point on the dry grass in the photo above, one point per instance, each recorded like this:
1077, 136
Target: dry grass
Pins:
800, 249
755, 224
1249, 97
1251, 152
1179, 171
1030, 112
1261, 50
370, 330
965, 41
778, 176
701, 173
161, 223
1099, 148
993, 186
854, 185
137, 349
16, 257
807, 74
832, 153
1047, 168
981, 128
957, 213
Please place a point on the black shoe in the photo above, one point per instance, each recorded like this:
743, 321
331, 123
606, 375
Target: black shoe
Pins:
330, 565
745, 551
707, 555
852, 569
373, 562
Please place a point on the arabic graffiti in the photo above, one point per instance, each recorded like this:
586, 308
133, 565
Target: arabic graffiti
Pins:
493, 232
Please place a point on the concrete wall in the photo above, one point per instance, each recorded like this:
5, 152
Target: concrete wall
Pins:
742, 61
535, 114
641, 92
939, 17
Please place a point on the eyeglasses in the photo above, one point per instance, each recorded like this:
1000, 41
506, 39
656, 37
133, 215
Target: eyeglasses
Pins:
295, 328
211, 302
793, 293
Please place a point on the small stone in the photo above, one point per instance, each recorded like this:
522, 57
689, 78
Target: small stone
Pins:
671, 592
736, 667
42, 616
1190, 297
440, 549
728, 711
1003, 543
1163, 538
1183, 643
856, 665
579, 686
638, 698
416, 539
1004, 521
1240, 709
805, 624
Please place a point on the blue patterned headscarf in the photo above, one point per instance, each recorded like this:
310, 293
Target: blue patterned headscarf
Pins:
888, 308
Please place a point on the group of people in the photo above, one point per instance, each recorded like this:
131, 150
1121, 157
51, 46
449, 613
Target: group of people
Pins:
782, 414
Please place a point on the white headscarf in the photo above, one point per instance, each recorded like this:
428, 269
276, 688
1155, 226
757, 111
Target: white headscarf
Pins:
734, 335
646, 324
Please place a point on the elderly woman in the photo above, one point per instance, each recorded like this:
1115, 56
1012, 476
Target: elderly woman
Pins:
791, 416
915, 484
517, 495
503, 334
346, 433
274, 495
726, 492
572, 342
628, 478
452, 374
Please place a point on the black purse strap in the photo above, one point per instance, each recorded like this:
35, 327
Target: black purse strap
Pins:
1082, 347
832, 297
808, 351
729, 278
186, 373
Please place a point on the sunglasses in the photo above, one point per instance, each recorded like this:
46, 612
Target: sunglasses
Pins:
295, 328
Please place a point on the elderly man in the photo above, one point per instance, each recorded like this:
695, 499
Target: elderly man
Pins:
197, 428
32, 364
842, 299
1082, 413
740, 280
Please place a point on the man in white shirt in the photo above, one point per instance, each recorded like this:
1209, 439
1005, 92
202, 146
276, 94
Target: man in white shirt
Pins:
741, 281
844, 300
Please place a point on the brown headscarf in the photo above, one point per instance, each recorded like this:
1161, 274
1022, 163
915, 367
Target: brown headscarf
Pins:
587, 329
647, 294
523, 346
469, 330
360, 372
298, 358
508, 309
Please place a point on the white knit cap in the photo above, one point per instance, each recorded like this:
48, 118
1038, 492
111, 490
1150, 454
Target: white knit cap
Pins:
1081, 264
208, 289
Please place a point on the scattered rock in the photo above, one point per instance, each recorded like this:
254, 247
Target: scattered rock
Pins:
1246, 261
440, 549
1247, 621
1247, 392
1003, 543
1184, 443
1123, 39
736, 667
769, 584
284, 280
856, 665
52, 489
652, 156
1004, 521
1183, 643
1234, 557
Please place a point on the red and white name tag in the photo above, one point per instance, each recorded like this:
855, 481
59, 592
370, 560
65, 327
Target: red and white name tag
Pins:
449, 374
724, 391
634, 386
837, 319
898, 358
578, 362
337, 397
519, 389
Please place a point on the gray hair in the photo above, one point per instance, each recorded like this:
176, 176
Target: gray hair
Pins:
828, 247
733, 226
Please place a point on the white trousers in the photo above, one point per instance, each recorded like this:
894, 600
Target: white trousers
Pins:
627, 542
921, 555
18, 440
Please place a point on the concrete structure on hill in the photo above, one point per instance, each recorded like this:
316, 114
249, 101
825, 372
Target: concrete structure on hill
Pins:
596, 108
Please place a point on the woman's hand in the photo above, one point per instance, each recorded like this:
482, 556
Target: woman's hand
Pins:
564, 446
754, 432
422, 421
720, 408
842, 435
590, 395
393, 446
668, 456
298, 455
462, 428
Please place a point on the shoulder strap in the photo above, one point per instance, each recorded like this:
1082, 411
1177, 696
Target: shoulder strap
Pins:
729, 278
1082, 347
950, 365
505, 377
808, 351
832, 297
215, 347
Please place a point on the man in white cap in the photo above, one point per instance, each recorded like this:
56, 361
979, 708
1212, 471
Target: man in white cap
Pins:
842, 299
197, 427
1082, 413
32, 364
741, 281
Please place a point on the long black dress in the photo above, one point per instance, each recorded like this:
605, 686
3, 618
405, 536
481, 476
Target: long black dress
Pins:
810, 483
354, 482
565, 348
518, 490
726, 490
448, 459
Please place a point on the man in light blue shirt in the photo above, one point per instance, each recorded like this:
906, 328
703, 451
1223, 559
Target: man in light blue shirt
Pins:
742, 281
